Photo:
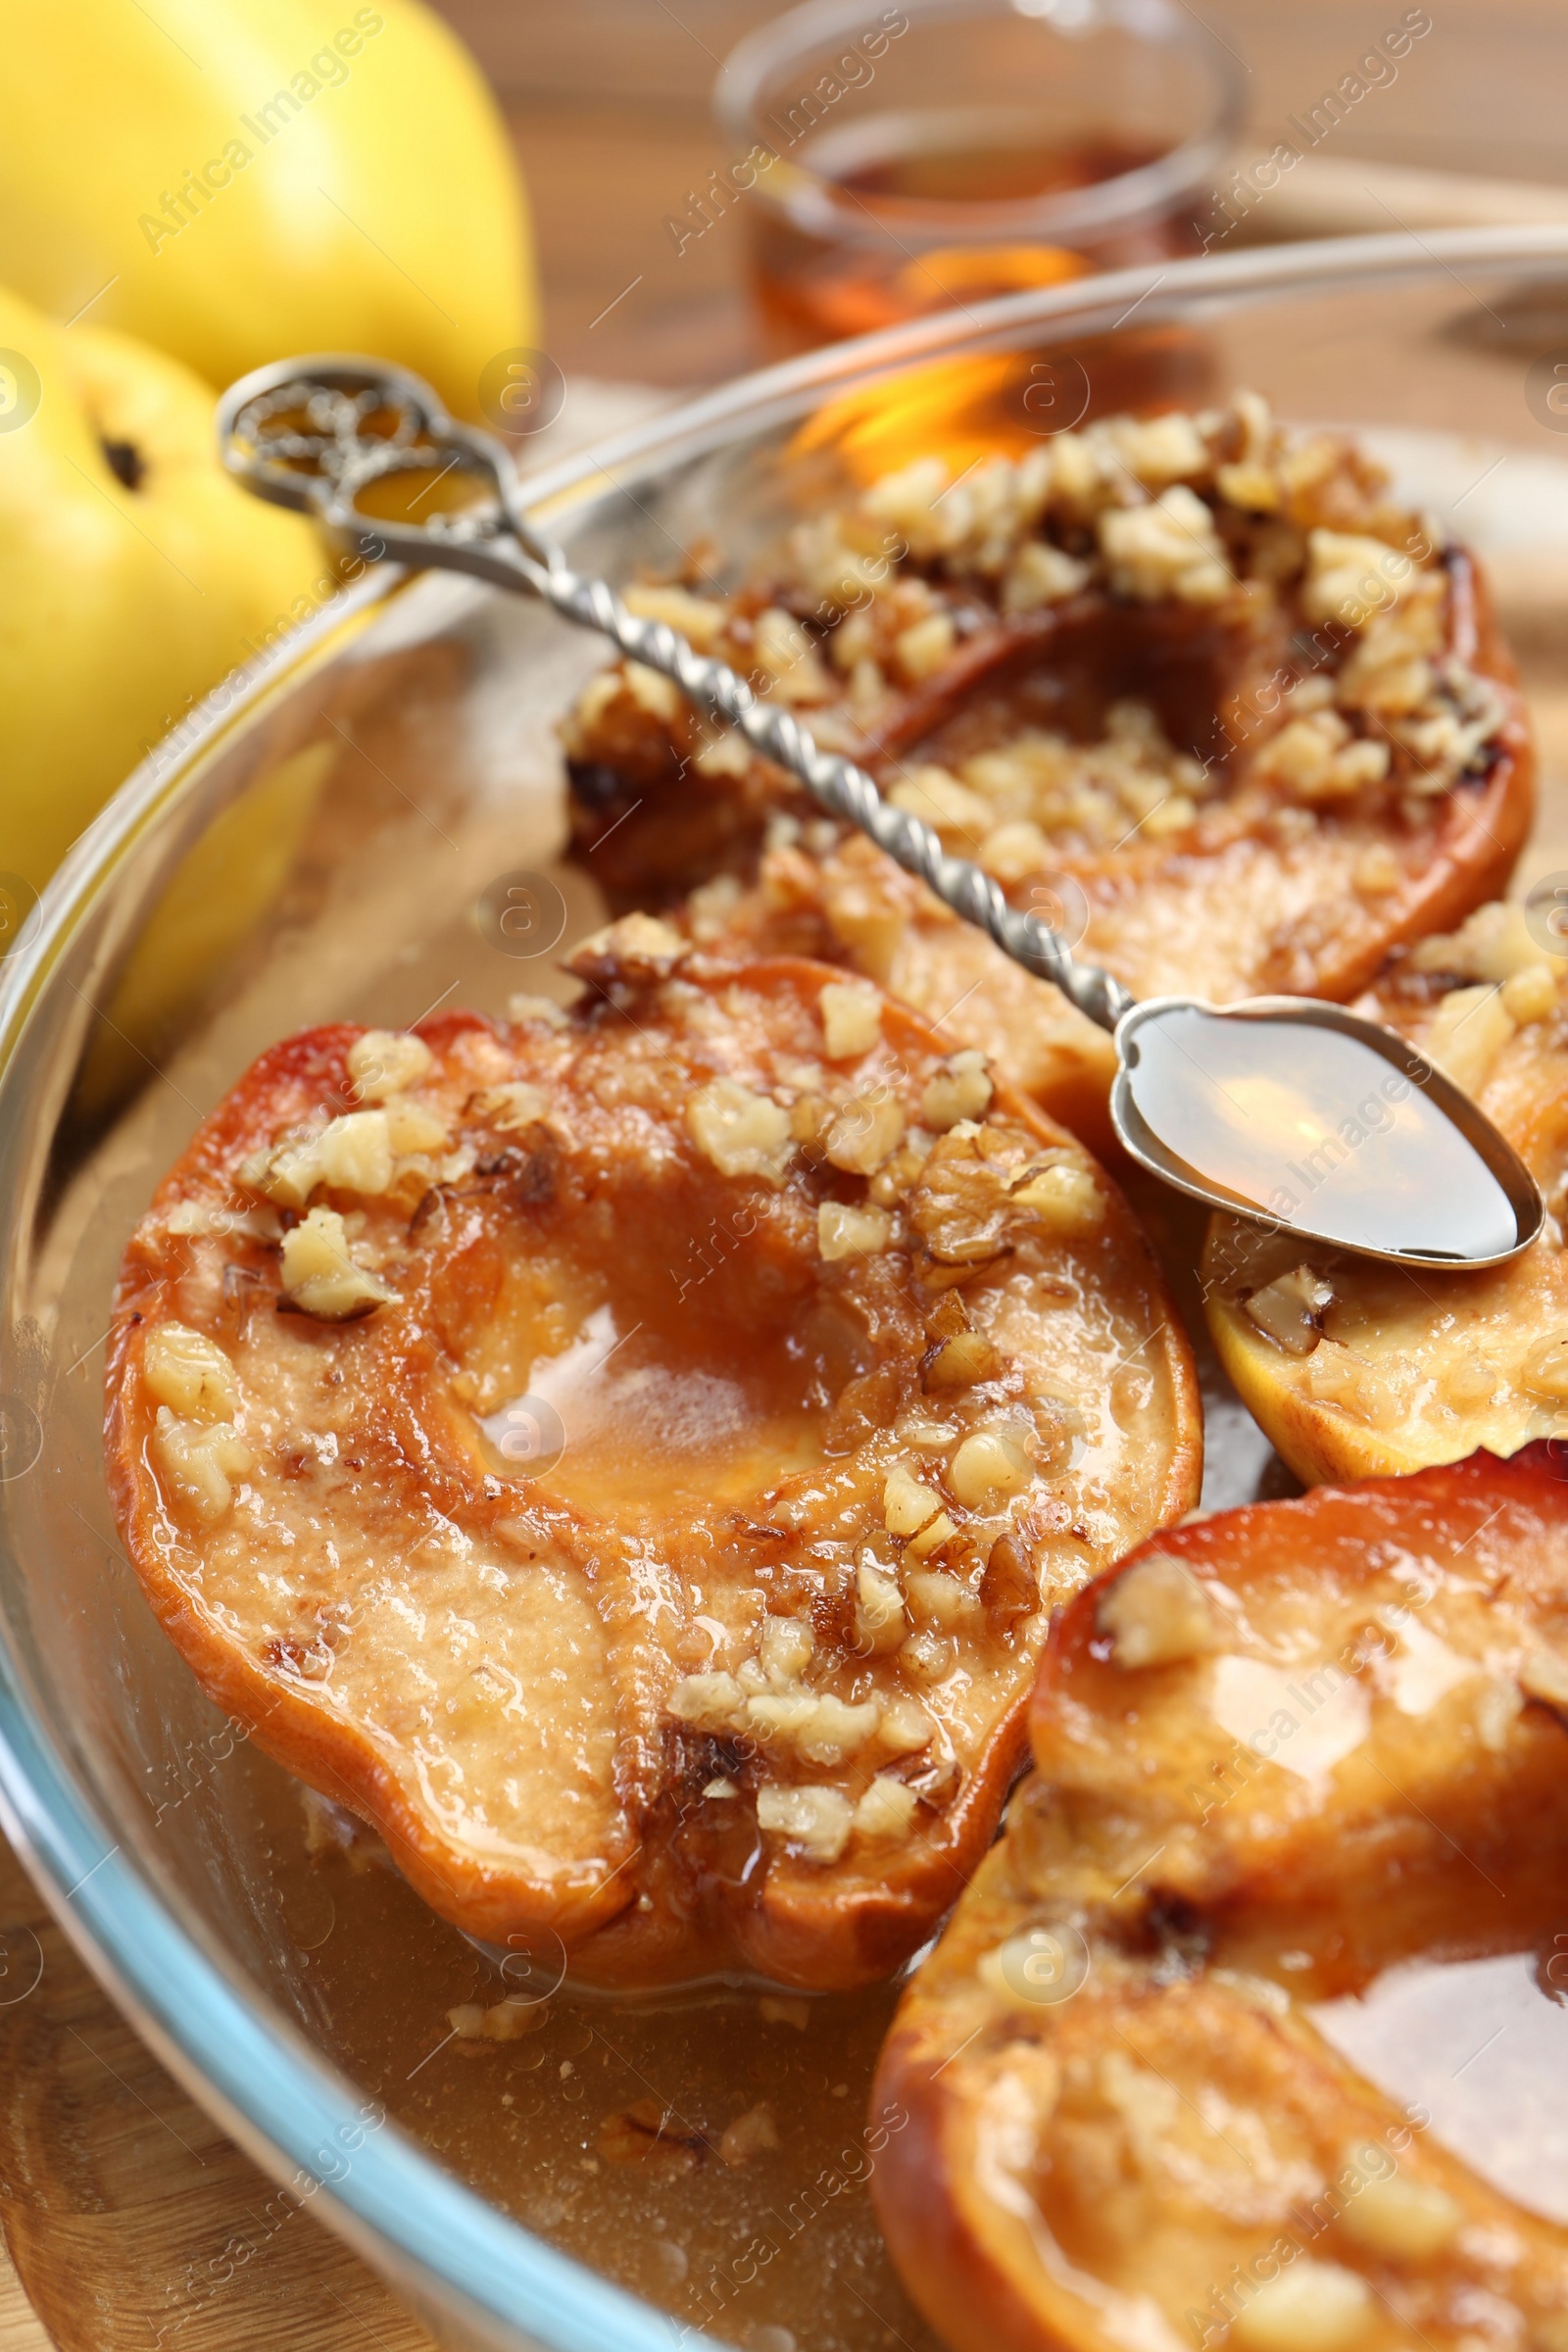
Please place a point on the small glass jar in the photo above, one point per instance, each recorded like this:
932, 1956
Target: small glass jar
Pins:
916, 158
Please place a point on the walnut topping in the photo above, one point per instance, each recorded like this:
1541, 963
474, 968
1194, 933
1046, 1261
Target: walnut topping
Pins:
709, 1702
865, 1132
753, 2133
320, 1278
1407, 2220
1291, 1310
961, 1089
511, 1107
742, 1134
1010, 1588
1169, 549
508, 2020
844, 1231
959, 1356
821, 1728
387, 1062
932, 1537
886, 1808
879, 1622
648, 2135
1544, 1676
1468, 1033
989, 1464
904, 1727
1351, 576
353, 1154
852, 1018
939, 1598
199, 1459
786, 1649
907, 1501
190, 1373
412, 1128
815, 1725
1312, 2307
638, 949
1157, 1614
816, 1821
978, 1193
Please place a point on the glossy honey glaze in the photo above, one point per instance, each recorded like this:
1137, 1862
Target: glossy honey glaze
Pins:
1313, 1126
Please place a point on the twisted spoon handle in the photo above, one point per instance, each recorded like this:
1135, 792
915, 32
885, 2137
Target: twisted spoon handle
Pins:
840, 787
314, 433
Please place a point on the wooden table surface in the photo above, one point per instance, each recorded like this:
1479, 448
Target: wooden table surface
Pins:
112, 2182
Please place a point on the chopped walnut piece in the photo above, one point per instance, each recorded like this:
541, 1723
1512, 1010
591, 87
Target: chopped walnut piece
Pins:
754, 2133
387, 1062
1169, 549
786, 1649
189, 1373
653, 2137
1407, 2220
818, 1821
199, 1459
886, 1808
1312, 2307
907, 1501
320, 1278
988, 1463
637, 949
845, 1230
1351, 576
961, 1089
511, 1106
709, 1702
1468, 1033
1157, 1614
905, 1728
852, 1018
1291, 1309
864, 1134
742, 1134
879, 1620
1010, 1588
508, 2020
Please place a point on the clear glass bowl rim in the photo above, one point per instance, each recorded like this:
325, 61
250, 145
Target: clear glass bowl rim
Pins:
449, 2250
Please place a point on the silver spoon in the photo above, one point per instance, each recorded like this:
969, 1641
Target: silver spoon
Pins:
1296, 1116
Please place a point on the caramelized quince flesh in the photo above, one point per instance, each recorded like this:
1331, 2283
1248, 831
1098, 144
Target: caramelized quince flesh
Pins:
633, 1474
1354, 1368
1194, 688
1278, 1751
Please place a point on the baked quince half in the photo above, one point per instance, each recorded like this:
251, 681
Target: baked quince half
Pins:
1354, 1368
1277, 1751
627, 1456
1198, 689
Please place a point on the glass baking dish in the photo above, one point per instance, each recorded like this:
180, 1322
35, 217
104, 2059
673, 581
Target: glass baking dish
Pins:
331, 837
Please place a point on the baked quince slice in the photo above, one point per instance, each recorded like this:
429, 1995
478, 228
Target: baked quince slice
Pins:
1197, 688
627, 1456
1354, 1368
1278, 1751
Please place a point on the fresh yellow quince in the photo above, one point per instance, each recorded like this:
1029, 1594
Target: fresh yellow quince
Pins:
136, 573
235, 180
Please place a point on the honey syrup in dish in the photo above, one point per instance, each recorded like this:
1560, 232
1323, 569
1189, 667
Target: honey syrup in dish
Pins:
709, 2149
626, 1429
1480, 2047
1302, 1121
